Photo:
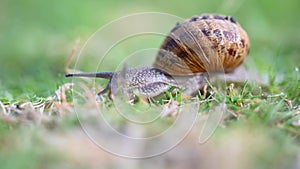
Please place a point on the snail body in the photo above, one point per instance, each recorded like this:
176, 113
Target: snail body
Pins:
201, 44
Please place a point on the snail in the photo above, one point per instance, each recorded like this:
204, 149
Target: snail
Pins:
199, 45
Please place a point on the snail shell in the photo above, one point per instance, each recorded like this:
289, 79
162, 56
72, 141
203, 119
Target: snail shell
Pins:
209, 42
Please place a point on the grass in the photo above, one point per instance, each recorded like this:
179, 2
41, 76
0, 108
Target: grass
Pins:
39, 125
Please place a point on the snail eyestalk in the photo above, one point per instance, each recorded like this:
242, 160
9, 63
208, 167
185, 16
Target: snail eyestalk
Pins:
104, 75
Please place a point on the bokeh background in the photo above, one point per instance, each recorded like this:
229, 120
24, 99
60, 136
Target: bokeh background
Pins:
36, 38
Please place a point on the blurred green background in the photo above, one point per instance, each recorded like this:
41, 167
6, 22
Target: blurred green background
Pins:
36, 37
